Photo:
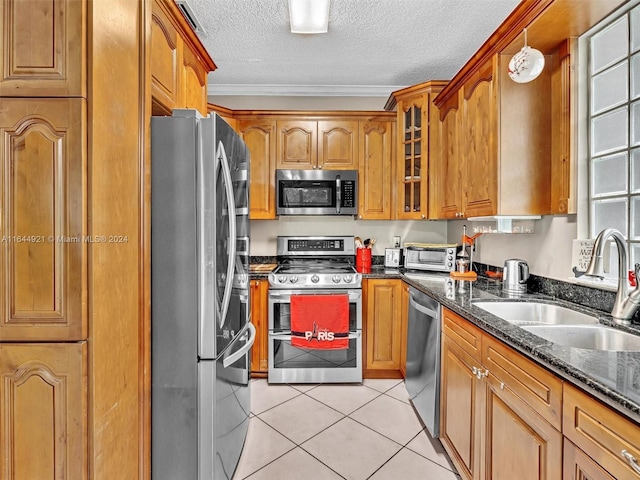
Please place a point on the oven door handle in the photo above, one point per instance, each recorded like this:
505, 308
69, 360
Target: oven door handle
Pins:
287, 336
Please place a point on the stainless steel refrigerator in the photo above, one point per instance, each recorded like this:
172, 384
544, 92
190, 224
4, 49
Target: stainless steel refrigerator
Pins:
200, 320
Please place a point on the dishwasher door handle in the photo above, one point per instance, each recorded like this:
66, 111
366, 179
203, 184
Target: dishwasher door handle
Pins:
422, 308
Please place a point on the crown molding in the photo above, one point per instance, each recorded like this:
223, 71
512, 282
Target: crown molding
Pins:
216, 89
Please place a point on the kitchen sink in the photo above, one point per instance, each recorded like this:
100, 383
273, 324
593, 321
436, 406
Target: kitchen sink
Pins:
535, 313
592, 337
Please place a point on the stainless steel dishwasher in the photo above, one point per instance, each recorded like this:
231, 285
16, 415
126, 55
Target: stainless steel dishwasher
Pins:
423, 358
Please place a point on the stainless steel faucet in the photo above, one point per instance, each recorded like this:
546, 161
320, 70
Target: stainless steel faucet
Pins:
626, 303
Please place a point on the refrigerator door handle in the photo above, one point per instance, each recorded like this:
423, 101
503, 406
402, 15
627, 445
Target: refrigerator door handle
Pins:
229, 359
228, 183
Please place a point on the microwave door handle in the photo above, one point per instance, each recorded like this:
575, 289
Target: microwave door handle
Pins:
338, 193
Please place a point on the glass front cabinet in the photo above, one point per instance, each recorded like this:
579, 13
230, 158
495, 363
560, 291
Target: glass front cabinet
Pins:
414, 105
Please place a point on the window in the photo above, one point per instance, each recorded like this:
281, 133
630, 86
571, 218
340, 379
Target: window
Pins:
613, 126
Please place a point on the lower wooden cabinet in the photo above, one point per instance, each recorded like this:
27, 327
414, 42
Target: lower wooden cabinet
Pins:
491, 429
381, 311
43, 411
612, 441
578, 466
260, 319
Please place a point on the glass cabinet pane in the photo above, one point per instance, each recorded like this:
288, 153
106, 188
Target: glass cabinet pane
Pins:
407, 197
416, 197
416, 167
417, 118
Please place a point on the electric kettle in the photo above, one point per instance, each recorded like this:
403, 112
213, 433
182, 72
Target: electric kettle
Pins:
515, 275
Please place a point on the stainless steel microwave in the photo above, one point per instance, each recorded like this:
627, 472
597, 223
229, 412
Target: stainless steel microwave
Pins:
316, 192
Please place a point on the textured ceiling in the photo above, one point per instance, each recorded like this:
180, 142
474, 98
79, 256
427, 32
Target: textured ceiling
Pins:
372, 45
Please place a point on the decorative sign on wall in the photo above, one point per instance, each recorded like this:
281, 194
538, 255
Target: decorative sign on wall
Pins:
581, 255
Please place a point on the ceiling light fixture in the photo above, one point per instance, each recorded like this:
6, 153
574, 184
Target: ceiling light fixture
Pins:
309, 16
527, 64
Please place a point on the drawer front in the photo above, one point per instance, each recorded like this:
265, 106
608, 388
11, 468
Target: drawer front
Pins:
462, 333
607, 437
537, 387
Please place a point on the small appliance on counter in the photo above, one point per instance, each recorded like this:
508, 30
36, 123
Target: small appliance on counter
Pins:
515, 275
431, 256
393, 257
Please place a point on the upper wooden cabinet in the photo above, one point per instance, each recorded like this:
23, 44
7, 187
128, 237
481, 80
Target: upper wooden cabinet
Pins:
259, 135
310, 144
43, 250
179, 62
414, 105
495, 159
43, 47
375, 172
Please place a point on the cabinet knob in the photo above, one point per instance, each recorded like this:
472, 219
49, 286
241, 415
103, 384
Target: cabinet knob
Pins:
314, 167
360, 217
320, 167
422, 216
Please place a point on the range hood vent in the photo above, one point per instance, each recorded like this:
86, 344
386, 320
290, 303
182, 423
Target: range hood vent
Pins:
191, 18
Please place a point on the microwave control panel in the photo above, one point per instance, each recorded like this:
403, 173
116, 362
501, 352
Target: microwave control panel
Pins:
348, 194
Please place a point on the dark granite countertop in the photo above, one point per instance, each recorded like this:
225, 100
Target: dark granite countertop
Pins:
612, 377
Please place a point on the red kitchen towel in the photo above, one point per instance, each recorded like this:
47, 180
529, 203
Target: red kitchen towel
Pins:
320, 321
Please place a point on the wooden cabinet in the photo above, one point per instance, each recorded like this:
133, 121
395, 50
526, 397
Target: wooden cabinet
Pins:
382, 327
259, 135
414, 105
311, 144
179, 63
43, 249
375, 170
609, 439
494, 158
578, 466
495, 406
260, 319
43, 411
43, 49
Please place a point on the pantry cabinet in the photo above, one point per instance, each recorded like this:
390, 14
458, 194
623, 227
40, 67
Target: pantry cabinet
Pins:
43, 249
43, 411
316, 144
382, 329
43, 49
259, 135
260, 318
499, 410
179, 63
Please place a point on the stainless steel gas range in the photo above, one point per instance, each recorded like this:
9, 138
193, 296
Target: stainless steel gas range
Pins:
315, 265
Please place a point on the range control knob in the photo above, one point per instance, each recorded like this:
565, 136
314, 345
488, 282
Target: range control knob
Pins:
336, 279
293, 279
282, 279
347, 278
315, 278
450, 264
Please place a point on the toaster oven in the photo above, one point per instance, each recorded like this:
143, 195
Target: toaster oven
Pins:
431, 256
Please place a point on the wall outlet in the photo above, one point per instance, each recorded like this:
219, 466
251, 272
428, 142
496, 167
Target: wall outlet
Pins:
396, 241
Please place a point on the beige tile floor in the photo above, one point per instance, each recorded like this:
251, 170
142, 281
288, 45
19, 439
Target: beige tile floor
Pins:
332, 432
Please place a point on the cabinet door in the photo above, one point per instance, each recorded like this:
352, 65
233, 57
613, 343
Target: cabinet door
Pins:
383, 326
478, 152
449, 167
460, 426
194, 81
338, 144
43, 411
260, 320
43, 251
43, 48
517, 442
259, 135
413, 163
297, 144
164, 62
578, 466
374, 170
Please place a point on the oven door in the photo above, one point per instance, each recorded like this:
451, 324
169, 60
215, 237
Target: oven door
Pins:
288, 364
